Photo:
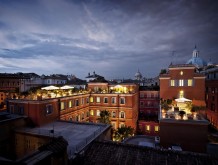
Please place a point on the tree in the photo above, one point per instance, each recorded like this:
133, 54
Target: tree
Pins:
123, 132
163, 71
165, 104
104, 117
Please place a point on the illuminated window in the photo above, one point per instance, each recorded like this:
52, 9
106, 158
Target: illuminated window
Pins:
172, 83
147, 127
91, 113
181, 83
122, 114
62, 105
105, 100
98, 112
190, 82
122, 100
98, 99
156, 128
113, 114
181, 94
91, 100
181, 73
70, 104
113, 100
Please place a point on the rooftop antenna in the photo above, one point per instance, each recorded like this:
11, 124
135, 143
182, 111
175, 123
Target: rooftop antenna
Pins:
173, 55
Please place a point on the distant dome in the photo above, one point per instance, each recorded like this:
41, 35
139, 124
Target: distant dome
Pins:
138, 75
196, 60
210, 63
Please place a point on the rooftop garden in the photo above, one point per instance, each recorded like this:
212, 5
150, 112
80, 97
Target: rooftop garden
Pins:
180, 110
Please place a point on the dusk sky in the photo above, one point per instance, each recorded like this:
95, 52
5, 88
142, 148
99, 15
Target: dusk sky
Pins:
114, 38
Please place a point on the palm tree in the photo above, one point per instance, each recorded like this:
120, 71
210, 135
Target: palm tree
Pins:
123, 132
104, 117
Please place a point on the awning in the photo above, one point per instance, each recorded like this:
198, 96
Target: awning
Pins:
182, 99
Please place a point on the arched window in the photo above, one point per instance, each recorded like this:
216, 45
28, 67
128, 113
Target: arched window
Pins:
113, 114
91, 113
98, 112
122, 114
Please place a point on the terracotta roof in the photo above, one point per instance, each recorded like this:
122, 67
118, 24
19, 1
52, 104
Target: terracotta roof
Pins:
110, 153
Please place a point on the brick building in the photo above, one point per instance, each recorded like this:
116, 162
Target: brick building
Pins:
212, 95
149, 106
183, 81
120, 100
178, 124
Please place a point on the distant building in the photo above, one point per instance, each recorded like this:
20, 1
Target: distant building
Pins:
94, 76
54, 79
21, 82
138, 75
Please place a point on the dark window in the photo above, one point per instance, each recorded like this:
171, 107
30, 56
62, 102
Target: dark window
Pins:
105, 100
77, 102
122, 100
49, 109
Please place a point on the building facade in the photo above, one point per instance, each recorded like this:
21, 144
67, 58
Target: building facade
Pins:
120, 100
212, 95
182, 81
182, 88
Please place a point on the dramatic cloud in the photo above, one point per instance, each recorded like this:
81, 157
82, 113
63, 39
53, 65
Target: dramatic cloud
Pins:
113, 38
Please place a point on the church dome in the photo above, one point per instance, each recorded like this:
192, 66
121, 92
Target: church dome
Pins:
196, 60
138, 75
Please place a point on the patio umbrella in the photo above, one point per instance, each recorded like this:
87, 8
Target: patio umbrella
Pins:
51, 87
66, 87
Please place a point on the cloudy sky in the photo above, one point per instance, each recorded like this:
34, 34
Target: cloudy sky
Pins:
114, 38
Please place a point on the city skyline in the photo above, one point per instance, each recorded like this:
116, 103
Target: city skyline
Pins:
112, 38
